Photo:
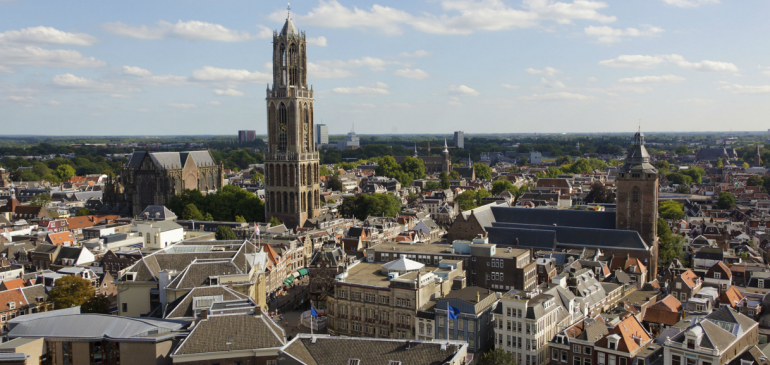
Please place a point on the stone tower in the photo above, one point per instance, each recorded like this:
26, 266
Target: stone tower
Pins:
637, 198
757, 158
291, 164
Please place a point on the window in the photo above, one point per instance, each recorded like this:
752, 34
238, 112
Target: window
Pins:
125, 307
509, 312
612, 359
586, 361
354, 362
635, 195
622, 361
564, 356
576, 349
576, 361
690, 343
555, 354
717, 275
600, 358
760, 283
66, 348
587, 350
692, 361
751, 312
679, 285
683, 296
509, 325
509, 340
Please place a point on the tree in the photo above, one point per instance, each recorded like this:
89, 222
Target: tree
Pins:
746, 165
683, 189
334, 183
40, 200
432, 185
600, 194
414, 167
524, 161
497, 357
82, 212
726, 200
208, 217
481, 194
670, 209
444, 180
663, 165
682, 150
348, 207
454, 175
679, 178
225, 233
96, 304
324, 171
467, 200
482, 171
70, 291
191, 212
563, 159
500, 186
669, 245
720, 163
65, 172
274, 222
240, 219
754, 180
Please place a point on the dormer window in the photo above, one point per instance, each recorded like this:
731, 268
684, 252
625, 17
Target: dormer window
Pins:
691, 343
12, 305
717, 275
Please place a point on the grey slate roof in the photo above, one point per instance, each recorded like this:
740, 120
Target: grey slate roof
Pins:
586, 237
158, 212
198, 273
232, 333
506, 236
339, 350
172, 160
183, 307
560, 217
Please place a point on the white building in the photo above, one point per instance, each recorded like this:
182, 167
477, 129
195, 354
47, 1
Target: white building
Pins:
321, 134
159, 234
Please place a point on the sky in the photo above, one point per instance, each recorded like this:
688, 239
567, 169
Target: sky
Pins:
194, 67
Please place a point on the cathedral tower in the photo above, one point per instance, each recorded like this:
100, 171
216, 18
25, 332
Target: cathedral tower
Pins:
291, 164
637, 198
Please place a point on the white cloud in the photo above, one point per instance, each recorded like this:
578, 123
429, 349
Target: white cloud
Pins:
561, 96
690, 3
214, 103
144, 110
189, 30
412, 74
400, 105
651, 79
459, 17
325, 72
20, 99
228, 92
746, 89
635, 61
54, 103
46, 35
697, 101
71, 81
136, 71
381, 84
5, 70
643, 61
417, 54
319, 41
463, 90
38, 57
509, 86
606, 34
548, 71
360, 90
554, 84
373, 63
592, 79
363, 104
181, 105
210, 73
120, 96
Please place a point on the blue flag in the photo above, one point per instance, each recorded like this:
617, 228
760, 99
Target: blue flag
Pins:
452, 312
313, 312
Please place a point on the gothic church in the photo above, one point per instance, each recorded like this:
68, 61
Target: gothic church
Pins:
291, 164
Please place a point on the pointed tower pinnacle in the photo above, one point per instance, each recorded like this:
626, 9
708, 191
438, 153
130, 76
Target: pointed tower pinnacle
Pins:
446, 149
415, 150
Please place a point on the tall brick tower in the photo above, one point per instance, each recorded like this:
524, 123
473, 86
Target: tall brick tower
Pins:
291, 164
637, 198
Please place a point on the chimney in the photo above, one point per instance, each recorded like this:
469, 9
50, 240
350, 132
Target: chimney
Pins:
204, 314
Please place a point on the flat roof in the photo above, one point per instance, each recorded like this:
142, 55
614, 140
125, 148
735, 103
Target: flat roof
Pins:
368, 274
16, 342
431, 248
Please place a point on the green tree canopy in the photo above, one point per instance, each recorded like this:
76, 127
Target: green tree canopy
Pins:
600, 194
670, 245
229, 201
96, 304
432, 185
444, 180
65, 172
70, 291
670, 209
502, 185
726, 200
364, 206
225, 233
755, 180
483, 171
191, 212
497, 357
454, 175
40, 200
240, 219
82, 212
274, 222
334, 183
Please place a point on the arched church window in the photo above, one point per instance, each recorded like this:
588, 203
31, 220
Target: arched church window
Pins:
283, 119
306, 128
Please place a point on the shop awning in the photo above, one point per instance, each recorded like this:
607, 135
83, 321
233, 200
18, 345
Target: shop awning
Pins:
295, 274
302, 271
288, 280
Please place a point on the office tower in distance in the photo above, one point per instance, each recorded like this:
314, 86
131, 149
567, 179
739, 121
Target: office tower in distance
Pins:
460, 139
322, 134
246, 136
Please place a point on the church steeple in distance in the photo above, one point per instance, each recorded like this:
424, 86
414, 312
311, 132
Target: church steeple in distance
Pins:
292, 190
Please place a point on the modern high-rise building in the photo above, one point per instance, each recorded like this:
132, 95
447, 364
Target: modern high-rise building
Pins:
321, 134
246, 136
459, 139
291, 163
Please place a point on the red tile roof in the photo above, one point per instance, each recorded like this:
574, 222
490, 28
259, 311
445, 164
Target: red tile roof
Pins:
13, 284
627, 330
730, 296
61, 238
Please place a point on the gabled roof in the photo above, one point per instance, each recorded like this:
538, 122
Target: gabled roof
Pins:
334, 350
61, 238
232, 333
689, 278
731, 297
722, 269
627, 329
183, 306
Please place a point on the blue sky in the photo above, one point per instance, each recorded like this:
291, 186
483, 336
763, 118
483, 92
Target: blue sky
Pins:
489, 66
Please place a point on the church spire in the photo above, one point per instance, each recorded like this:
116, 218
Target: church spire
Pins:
446, 149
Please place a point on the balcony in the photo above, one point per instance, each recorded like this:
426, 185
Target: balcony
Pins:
289, 93
290, 156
